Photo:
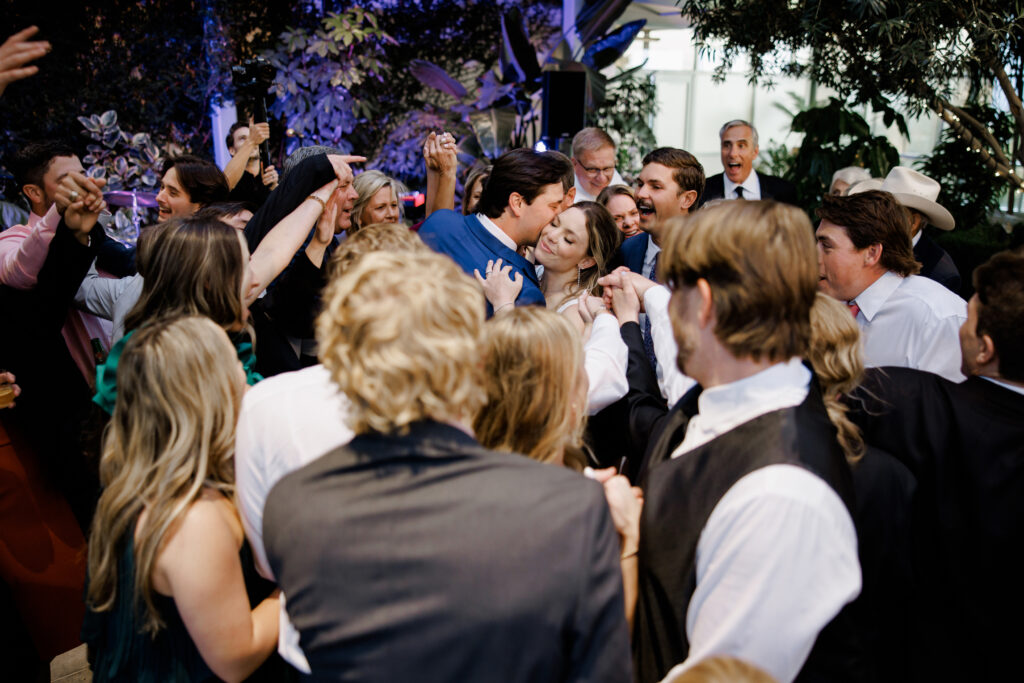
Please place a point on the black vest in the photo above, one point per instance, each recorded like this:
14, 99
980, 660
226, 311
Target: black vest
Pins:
679, 496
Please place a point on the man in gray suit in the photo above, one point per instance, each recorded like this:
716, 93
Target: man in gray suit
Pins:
414, 553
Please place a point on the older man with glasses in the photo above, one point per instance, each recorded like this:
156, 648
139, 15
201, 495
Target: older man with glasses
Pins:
593, 159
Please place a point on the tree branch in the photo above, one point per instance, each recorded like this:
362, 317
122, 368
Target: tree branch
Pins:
981, 128
1016, 107
1002, 169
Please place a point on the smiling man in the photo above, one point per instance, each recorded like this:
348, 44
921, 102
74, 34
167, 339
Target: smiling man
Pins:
740, 180
865, 260
593, 160
523, 194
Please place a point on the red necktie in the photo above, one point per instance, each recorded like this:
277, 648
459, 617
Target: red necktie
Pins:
854, 308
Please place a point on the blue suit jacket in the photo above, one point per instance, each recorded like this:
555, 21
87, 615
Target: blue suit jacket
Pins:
633, 251
468, 243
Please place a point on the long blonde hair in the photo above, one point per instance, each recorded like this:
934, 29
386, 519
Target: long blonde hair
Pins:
171, 434
835, 354
532, 357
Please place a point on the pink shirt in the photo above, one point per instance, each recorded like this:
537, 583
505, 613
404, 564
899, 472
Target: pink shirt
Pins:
23, 250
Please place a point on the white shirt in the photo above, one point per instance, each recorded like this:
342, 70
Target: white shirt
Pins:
492, 227
751, 187
777, 558
583, 196
912, 322
605, 356
671, 380
1004, 384
286, 421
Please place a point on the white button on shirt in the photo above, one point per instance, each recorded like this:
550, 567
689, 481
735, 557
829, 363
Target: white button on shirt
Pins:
912, 322
777, 558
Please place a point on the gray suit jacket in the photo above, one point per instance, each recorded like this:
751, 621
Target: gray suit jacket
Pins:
427, 557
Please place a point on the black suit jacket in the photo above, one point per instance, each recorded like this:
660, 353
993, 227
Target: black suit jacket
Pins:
771, 188
965, 445
936, 264
427, 557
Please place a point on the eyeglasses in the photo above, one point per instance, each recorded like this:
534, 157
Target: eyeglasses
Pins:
608, 170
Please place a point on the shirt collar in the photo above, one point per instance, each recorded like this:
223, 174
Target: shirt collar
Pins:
874, 297
499, 234
751, 187
1004, 384
652, 251
916, 238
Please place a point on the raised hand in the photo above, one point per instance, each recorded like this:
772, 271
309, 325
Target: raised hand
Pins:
17, 51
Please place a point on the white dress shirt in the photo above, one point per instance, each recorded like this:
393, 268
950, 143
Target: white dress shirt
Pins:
286, 421
583, 196
605, 357
777, 559
492, 227
751, 187
911, 322
671, 380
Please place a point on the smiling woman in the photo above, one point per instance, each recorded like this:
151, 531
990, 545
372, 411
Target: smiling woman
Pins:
380, 200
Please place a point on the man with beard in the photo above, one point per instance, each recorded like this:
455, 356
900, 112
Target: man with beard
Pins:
746, 544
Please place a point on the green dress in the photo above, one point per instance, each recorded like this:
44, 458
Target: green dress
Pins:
119, 650
106, 372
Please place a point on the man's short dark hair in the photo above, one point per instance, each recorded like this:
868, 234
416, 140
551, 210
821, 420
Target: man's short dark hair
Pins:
201, 179
521, 170
874, 217
999, 283
686, 170
569, 179
229, 141
30, 163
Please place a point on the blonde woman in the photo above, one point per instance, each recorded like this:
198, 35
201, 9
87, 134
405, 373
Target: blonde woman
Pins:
379, 201
167, 562
536, 387
883, 489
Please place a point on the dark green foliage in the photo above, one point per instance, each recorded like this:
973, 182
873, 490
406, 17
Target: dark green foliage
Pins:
630, 105
834, 137
146, 60
878, 52
969, 189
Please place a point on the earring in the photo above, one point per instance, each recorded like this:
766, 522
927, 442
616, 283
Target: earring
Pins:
579, 276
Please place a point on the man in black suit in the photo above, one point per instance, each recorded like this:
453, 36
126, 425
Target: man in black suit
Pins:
917, 193
965, 445
740, 180
414, 553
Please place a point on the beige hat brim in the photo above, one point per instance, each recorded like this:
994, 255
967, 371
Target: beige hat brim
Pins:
937, 214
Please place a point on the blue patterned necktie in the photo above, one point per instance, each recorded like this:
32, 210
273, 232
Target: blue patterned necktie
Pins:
648, 341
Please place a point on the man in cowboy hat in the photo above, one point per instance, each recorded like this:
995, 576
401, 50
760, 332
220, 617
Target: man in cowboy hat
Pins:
917, 193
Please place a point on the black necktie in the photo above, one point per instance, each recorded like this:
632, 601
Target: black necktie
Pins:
739, 192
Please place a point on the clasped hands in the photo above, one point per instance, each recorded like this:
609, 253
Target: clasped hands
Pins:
624, 293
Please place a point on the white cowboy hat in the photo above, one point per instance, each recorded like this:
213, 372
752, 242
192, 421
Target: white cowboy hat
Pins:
917, 191
865, 185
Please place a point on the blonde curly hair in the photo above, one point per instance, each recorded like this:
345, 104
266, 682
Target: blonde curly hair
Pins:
401, 334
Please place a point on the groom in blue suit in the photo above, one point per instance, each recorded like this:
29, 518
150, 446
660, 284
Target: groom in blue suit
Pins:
522, 195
